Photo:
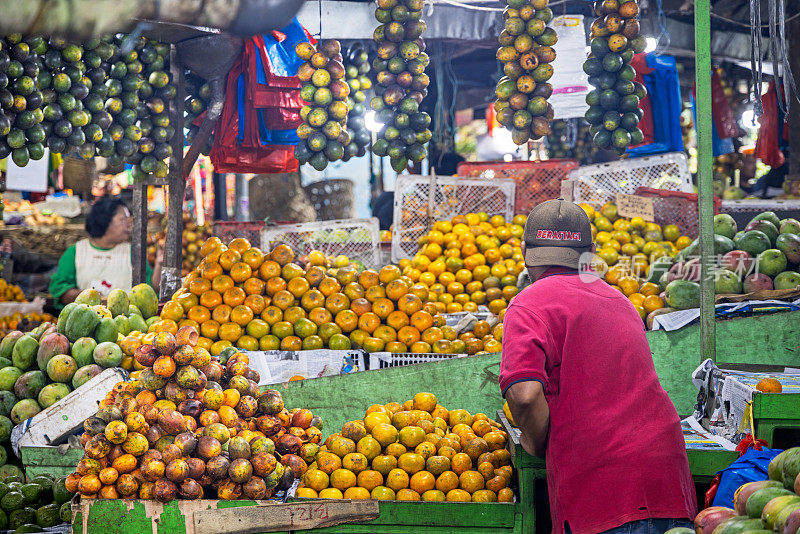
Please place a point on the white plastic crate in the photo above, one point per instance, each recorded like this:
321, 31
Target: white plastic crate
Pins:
597, 184
382, 360
358, 239
419, 201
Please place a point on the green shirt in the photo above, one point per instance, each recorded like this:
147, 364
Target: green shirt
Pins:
66, 277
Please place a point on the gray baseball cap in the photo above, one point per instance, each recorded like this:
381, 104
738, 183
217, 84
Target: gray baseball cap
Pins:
557, 232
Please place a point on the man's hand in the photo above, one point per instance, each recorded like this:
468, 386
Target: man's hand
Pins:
531, 413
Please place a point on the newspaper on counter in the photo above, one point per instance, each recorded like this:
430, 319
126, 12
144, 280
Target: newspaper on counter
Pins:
277, 366
678, 319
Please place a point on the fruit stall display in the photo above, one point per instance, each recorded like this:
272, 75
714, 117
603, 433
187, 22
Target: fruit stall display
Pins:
40, 367
614, 111
765, 255
32, 215
193, 235
771, 505
34, 504
239, 296
401, 83
192, 426
415, 451
24, 322
526, 51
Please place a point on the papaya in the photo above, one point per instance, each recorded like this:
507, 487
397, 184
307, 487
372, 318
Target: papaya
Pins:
745, 491
81, 323
790, 468
106, 330
759, 499
24, 353
775, 469
61, 324
7, 345
144, 297
90, 297
774, 508
117, 302
737, 525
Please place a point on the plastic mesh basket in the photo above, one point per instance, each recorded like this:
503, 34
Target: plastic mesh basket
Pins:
382, 360
674, 207
537, 181
421, 200
600, 183
358, 239
227, 231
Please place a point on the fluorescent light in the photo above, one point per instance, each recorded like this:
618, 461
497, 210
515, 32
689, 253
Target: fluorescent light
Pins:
370, 122
748, 118
650, 44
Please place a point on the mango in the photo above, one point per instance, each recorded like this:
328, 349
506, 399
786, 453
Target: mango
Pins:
137, 323
84, 374
81, 323
8, 377
144, 297
106, 330
7, 345
52, 393
90, 297
24, 353
49, 346
61, 368
24, 410
29, 385
61, 324
107, 354
133, 310
123, 325
7, 401
117, 302
83, 350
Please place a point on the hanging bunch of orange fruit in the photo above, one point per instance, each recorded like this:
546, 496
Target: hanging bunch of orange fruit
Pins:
239, 296
469, 261
415, 451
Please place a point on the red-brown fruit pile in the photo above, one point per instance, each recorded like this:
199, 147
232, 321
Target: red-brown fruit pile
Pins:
193, 426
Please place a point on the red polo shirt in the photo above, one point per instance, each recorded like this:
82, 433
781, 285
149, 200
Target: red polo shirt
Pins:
615, 452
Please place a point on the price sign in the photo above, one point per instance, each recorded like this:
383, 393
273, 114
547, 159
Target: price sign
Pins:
635, 206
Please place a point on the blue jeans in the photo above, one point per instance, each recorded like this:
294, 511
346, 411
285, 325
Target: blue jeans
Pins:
647, 526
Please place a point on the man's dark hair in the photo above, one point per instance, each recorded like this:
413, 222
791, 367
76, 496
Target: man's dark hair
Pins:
99, 218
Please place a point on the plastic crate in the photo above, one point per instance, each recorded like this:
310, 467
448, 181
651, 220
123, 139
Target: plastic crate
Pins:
382, 360
358, 239
227, 231
597, 184
421, 200
674, 207
537, 181
758, 205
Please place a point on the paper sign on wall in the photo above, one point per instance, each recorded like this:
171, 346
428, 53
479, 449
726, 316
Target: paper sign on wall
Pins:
31, 177
635, 206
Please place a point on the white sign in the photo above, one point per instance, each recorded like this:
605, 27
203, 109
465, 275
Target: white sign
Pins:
32, 177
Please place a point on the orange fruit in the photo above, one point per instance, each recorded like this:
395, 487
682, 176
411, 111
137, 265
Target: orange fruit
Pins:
234, 296
384, 433
422, 481
505, 495
471, 481
458, 495
356, 492
369, 479
769, 385
341, 446
230, 332
328, 462
411, 462
315, 479
331, 493
652, 302
384, 464
241, 315
342, 479
484, 495
397, 479
355, 462
406, 494
460, 463
382, 493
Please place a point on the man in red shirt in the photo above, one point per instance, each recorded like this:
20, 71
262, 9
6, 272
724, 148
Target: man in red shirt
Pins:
579, 378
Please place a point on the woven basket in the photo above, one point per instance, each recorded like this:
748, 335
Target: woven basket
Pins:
279, 197
333, 199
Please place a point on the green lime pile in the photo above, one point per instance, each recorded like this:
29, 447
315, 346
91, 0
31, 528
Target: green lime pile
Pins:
41, 502
356, 68
323, 131
401, 83
614, 102
526, 51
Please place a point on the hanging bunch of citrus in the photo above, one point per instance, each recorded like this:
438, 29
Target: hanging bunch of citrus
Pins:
415, 451
323, 132
356, 68
526, 51
614, 102
401, 83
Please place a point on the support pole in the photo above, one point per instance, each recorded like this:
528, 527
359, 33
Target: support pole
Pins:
139, 235
702, 46
173, 245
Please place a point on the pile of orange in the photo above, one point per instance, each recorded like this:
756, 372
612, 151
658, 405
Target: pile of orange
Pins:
240, 296
11, 292
24, 321
417, 451
468, 261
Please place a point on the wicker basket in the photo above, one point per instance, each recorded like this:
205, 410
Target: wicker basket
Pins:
333, 199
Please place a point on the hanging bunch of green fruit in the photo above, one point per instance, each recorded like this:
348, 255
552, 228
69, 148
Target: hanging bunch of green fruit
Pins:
146, 112
198, 95
614, 112
401, 83
570, 139
526, 51
23, 135
356, 68
323, 132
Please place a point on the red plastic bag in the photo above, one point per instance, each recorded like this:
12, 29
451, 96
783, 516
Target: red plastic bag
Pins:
639, 63
721, 112
767, 145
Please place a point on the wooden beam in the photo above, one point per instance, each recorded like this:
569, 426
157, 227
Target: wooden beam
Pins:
794, 109
139, 235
